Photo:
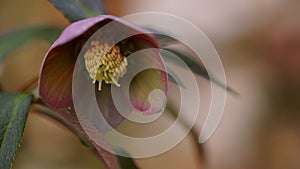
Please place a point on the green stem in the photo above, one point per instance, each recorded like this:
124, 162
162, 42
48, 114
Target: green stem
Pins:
194, 133
42, 109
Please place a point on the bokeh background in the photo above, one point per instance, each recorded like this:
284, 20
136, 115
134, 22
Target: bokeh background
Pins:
259, 45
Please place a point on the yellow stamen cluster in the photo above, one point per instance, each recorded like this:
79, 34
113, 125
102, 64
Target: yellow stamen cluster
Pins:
105, 63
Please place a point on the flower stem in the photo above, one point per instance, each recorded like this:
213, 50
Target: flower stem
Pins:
44, 110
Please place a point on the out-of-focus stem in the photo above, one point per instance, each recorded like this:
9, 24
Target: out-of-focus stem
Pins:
68, 118
38, 107
194, 133
30, 85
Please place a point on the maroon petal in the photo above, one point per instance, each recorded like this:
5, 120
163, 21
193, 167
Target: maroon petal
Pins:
56, 78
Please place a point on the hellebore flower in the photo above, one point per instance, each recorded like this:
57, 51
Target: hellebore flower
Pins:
55, 85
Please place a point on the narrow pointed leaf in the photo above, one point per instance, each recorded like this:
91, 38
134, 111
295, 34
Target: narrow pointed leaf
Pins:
14, 109
165, 40
93, 7
172, 77
194, 66
11, 40
198, 69
162, 38
75, 10
125, 162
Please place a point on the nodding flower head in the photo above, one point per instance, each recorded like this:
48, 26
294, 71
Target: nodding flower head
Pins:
105, 63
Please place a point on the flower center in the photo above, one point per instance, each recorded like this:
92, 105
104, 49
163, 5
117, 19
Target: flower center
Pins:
105, 63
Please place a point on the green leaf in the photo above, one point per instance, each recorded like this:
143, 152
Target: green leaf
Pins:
75, 10
165, 40
172, 77
14, 109
11, 40
125, 162
198, 69
194, 66
162, 38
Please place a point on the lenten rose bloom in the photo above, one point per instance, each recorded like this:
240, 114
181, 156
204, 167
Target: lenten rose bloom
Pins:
105, 64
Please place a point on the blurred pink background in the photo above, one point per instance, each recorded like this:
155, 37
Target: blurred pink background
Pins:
259, 45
